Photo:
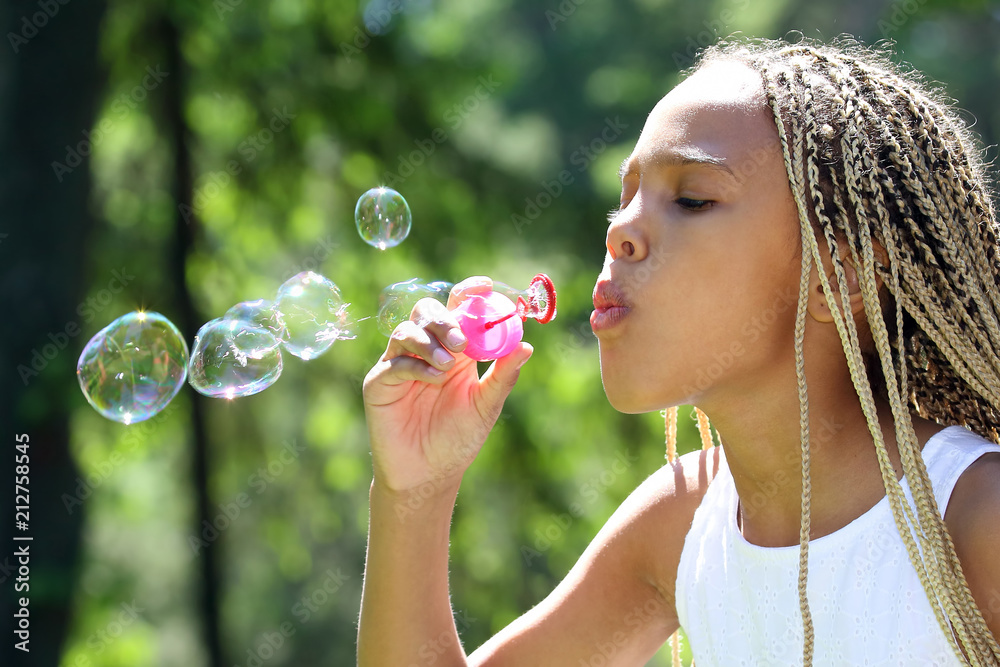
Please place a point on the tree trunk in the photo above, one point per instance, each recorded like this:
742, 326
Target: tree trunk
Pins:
49, 82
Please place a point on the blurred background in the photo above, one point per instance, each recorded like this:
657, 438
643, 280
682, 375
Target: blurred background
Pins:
182, 156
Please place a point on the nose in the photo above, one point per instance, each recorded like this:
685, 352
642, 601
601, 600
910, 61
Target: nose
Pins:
625, 239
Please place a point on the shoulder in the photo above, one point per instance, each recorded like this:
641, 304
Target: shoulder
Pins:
973, 520
658, 515
620, 593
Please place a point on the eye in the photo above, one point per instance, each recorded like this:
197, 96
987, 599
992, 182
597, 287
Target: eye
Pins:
694, 204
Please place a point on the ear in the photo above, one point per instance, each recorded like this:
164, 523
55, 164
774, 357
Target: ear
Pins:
817, 306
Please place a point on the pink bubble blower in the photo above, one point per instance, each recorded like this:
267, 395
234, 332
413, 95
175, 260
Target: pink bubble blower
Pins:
488, 320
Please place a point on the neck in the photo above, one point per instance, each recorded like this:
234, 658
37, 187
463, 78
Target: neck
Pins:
763, 451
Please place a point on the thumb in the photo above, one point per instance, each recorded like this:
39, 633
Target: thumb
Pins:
499, 379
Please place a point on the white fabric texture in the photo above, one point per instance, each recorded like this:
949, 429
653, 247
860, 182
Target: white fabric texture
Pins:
738, 603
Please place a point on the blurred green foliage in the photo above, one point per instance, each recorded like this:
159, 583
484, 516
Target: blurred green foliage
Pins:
474, 111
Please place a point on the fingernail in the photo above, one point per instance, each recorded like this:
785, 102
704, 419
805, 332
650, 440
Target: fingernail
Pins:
441, 357
454, 338
434, 371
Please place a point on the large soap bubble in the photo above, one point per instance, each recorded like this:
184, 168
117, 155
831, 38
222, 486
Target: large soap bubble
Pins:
382, 217
132, 368
314, 314
233, 358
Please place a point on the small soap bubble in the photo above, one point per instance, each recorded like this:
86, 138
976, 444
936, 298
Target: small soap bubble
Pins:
397, 300
233, 358
132, 368
260, 313
383, 218
314, 315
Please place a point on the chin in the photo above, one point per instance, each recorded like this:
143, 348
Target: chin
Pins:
623, 396
636, 395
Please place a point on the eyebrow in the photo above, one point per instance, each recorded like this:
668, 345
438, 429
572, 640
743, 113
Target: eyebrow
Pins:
678, 157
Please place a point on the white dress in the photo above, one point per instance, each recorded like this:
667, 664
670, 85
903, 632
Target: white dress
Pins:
738, 603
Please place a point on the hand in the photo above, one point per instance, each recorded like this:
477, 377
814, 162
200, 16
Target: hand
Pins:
428, 411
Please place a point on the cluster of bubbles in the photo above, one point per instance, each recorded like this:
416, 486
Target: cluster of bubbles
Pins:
133, 367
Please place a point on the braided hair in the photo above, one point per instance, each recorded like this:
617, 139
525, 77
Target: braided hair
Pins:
878, 161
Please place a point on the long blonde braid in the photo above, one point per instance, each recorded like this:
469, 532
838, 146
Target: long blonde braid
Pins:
707, 441
873, 159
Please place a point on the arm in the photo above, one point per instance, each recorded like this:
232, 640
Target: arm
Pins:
618, 600
406, 615
425, 429
971, 518
428, 414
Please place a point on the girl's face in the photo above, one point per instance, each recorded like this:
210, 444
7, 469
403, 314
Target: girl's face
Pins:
696, 302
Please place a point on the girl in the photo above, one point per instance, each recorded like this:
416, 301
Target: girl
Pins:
848, 517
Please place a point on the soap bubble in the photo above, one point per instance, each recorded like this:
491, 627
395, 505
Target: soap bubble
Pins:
260, 313
233, 358
383, 218
314, 314
132, 368
397, 300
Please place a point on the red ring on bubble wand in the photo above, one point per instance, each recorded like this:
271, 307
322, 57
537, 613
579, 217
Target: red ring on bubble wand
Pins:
540, 285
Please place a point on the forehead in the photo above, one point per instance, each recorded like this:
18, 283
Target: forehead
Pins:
720, 111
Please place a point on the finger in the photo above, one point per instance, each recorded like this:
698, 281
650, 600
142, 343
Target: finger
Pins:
412, 340
473, 285
405, 369
389, 379
431, 315
502, 374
